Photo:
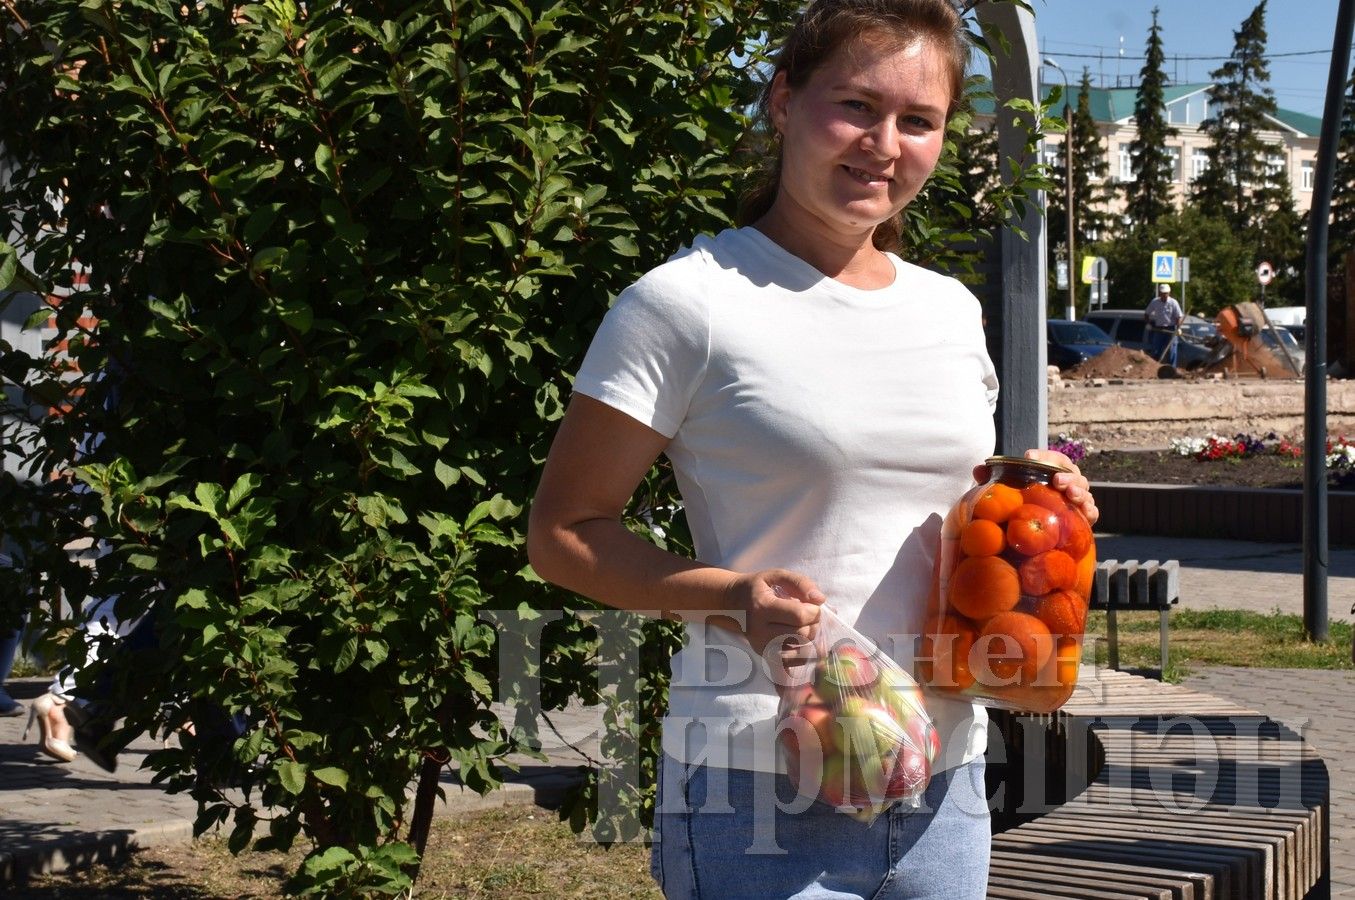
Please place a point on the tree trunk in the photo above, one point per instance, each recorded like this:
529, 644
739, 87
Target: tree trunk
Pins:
424, 797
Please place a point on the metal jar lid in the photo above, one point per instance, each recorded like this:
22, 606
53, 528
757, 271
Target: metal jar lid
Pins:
1021, 461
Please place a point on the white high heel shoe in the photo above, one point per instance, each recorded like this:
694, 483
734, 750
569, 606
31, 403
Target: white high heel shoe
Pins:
53, 746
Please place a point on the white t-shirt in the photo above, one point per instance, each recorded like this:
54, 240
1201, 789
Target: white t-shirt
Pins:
815, 427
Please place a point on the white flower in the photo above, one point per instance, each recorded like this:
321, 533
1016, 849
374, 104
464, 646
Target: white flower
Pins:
1189, 446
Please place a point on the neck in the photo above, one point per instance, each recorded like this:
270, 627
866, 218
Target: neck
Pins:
849, 258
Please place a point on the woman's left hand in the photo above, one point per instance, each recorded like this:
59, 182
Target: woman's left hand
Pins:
1073, 483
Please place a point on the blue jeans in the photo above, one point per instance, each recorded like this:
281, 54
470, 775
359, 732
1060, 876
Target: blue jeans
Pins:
726, 833
1157, 342
9, 648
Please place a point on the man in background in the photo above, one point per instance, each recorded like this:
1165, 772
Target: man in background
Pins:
1164, 317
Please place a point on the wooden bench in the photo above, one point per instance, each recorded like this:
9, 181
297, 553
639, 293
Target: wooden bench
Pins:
1134, 585
1139, 789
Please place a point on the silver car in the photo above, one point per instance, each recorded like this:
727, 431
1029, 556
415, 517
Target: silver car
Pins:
1282, 337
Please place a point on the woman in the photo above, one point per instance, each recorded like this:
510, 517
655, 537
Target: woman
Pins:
823, 404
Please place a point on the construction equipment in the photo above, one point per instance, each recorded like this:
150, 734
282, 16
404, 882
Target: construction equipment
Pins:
1241, 325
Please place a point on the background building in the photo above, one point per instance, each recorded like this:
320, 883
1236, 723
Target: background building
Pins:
1292, 138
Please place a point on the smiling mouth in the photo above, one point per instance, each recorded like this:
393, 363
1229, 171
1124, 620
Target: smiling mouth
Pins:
865, 177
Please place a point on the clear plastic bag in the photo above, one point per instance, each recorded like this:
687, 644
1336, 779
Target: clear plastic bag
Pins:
852, 725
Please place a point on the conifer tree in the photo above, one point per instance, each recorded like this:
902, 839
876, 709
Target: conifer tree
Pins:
1341, 237
1149, 194
1240, 101
1091, 187
977, 174
1056, 195
1277, 235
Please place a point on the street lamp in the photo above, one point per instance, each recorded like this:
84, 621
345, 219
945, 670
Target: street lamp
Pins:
1068, 185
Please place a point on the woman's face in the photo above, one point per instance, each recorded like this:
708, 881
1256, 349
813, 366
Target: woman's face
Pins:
862, 135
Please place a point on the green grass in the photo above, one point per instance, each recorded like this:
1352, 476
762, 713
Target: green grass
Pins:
1221, 637
514, 853
27, 667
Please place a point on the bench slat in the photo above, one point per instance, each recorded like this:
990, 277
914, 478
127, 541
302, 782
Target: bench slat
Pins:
1232, 808
1152, 882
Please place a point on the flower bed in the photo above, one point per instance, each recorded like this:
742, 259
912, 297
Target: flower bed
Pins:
1242, 487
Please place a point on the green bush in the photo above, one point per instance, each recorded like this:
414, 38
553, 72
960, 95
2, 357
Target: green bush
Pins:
343, 259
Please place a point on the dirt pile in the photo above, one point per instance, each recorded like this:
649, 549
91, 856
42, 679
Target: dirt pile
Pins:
1259, 359
1115, 362
1121, 362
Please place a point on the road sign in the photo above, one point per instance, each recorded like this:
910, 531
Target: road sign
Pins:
1164, 266
1183, 268
1264, 273
1093, 269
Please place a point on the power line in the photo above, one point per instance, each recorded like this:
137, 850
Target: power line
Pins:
1112, 53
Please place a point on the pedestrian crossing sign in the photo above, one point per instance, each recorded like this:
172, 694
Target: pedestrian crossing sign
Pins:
1164, 266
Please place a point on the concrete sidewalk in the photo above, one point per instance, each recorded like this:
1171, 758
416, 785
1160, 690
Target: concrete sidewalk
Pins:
1245, 575
55, 816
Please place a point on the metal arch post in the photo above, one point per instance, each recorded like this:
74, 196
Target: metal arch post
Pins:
1023, 403
1315, 549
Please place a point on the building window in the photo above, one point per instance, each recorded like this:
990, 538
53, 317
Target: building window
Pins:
1174, 154
1199, 162
1306, 174
1274, 163
1126, 163
1052, 156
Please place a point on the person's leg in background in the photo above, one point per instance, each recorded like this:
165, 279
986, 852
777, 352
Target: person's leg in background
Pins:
1156, 343
59, 713
9, 649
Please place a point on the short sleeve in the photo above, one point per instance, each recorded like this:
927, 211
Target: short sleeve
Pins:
650, 353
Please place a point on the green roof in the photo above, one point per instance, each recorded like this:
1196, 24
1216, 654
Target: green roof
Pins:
1309, 125
1114, 104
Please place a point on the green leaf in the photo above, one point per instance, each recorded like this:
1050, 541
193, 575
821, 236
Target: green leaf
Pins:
347, 653
9, 265
502, 233
297, 314
332, 775
292, 776
267, 259
245, 485
377, 651
229, 529
624, 245
209, 496
325, 162
448, 475
478, 683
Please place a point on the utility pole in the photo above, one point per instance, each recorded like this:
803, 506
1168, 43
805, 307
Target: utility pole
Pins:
1071, 312
1315, 545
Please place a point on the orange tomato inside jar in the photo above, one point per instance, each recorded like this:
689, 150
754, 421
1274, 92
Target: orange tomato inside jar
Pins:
1009, 607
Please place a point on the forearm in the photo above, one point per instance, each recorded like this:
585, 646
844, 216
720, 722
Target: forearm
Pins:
600, 559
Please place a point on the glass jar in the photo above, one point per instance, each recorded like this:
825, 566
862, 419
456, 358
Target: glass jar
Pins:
1009, 603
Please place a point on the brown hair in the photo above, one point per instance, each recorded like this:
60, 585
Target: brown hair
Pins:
822, 28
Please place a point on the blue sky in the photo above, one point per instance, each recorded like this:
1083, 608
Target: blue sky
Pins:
1078, 33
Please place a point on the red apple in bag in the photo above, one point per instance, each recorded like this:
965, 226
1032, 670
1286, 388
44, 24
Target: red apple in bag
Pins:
845, 672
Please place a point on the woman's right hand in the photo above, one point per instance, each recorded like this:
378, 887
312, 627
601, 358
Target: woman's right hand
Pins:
779, 606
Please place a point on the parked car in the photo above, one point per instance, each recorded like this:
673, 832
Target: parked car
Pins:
1288, 316
1126, 327
1283, 336
1070, 343
1200, 330
1294, 318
